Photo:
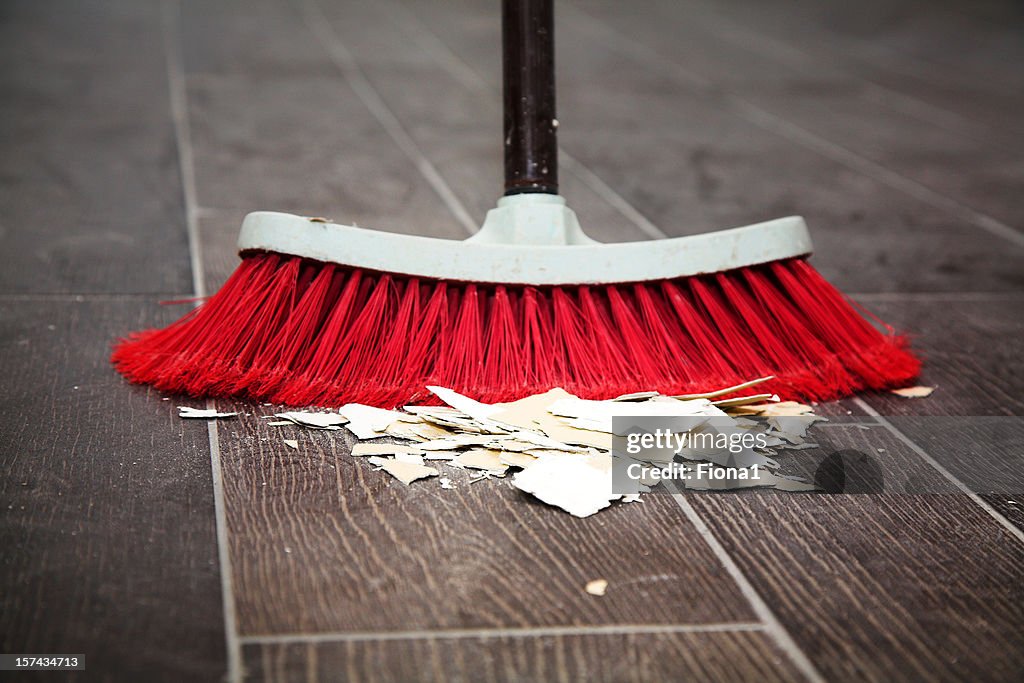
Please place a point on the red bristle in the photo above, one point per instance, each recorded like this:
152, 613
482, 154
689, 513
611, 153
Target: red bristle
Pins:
300, 332
541, 366
701, 343
461, 362
503, 349
604, 337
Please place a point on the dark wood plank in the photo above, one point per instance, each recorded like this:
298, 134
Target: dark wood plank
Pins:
860, 459
972, 424
321, 543
953, 159
883, 587
108, 521
218, 234
294, 136
684, 156
453, 110
724, 656
972, 355
902, 46
1010, 507
92, 198
988, 40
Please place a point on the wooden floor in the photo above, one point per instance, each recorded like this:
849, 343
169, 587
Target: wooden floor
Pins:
134, 135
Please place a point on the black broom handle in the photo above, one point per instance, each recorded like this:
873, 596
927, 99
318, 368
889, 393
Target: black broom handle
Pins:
528, 65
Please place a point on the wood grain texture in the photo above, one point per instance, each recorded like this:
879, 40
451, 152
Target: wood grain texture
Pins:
852, 458
592, 658
218, 231
1010, 507
321, 542
107, 506
295, 137
690, 160
88, 165
452, 109
903, 47
883, 587
693, 163
954, 158
972, 356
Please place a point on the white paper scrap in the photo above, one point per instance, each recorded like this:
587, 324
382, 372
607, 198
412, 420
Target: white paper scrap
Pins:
367, 422
913, 392
570, 482
464, 404
793, 425
481, 459
405, 472
201, 414
291, 443
360, 449
314, 420
596, 587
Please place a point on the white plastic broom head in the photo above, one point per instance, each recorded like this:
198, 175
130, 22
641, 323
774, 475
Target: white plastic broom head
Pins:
529, 239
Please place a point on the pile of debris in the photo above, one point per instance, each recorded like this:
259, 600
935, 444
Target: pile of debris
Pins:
558, 447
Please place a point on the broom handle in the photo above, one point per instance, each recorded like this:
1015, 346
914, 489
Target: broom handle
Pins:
528, 65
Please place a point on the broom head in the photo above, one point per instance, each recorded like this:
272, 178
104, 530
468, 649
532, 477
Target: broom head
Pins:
299, 329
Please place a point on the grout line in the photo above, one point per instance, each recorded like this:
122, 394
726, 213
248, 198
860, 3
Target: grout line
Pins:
729, 30
877, 171
771, 623
170, 19
616, 200
484, 633
471, 79
937, 296
171, 15
824, 147
328, 38
978, 500
90, 296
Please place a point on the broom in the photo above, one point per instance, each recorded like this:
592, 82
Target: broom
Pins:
324, 314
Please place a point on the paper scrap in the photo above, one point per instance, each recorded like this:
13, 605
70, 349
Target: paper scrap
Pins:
517, 459
783, 408
464, 404
367, 422
481, 459
291, 443
727, 390
314, 420
560, 444
361, 449
746, 400
913, 392
405, 472
790, 426
596, 587
201, 413
570, 482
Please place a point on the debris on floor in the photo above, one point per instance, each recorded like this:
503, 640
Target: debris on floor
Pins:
405, 471
311, 420
201, 413
596, 587
557, 447
913, 392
